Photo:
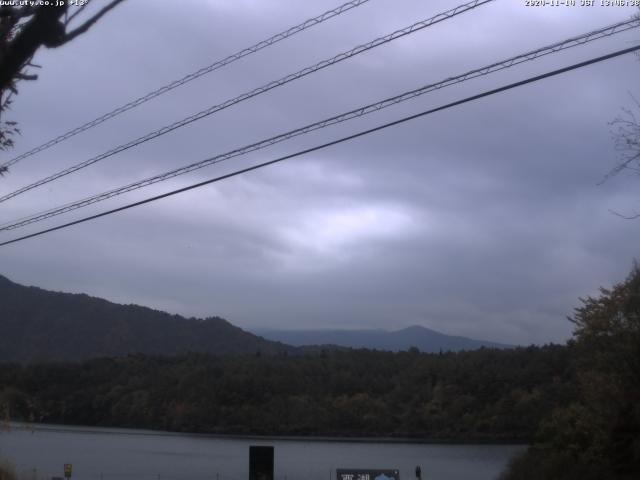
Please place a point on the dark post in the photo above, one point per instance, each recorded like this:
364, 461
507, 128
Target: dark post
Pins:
260, 463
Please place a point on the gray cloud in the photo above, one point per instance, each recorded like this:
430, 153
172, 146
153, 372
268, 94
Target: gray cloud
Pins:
484, 220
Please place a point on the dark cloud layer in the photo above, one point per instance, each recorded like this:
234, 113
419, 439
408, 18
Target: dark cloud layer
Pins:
485, 220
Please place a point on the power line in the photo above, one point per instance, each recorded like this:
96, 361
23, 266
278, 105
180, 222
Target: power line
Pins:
257, 91
192, 76
529, 56
334, 142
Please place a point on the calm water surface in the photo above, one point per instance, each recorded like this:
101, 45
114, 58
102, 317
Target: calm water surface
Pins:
119, 454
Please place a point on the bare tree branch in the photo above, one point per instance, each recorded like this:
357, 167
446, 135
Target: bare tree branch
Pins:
26, 76
75, 14
23, 30
43, 28
626, 217
89, 23
18, 13
625, 131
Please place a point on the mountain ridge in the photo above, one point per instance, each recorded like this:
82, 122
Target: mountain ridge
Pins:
43, 325
423, 338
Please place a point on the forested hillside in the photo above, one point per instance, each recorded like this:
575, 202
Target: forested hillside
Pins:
492, 395
39, 325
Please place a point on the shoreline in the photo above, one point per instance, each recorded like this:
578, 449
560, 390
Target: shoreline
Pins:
89, 429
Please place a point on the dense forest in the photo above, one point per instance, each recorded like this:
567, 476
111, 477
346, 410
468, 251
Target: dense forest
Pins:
578, 405
483, 395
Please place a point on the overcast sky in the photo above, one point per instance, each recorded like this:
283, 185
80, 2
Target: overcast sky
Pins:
485, 220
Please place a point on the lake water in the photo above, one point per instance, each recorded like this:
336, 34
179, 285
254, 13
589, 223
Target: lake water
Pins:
39, 452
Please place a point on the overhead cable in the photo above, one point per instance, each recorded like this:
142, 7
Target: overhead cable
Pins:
365, 110
334, 142
191, 76
253, 93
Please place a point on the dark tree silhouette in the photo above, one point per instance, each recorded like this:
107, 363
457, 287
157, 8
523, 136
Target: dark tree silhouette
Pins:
598, 435
23, 30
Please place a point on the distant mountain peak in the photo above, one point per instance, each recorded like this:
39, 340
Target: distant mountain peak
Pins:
416, 328
423, 338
